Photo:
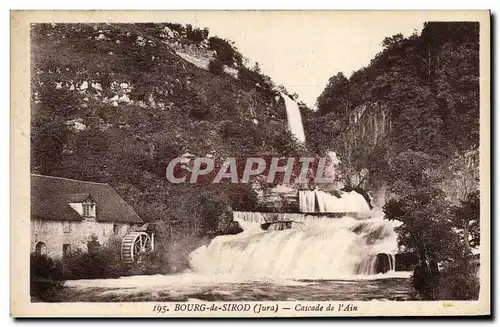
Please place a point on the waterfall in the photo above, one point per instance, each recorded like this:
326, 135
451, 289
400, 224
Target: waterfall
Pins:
375, 264
265, 217
307, 201
249, 217
320, 201
315, 248
294, 118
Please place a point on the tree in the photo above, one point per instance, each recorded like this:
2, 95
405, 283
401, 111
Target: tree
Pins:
335, 97
51, 108
254, 77
467, 219
47, 144
462, 176
216, 67
457, 85
421, 206
225, 50
196, 35
46, 278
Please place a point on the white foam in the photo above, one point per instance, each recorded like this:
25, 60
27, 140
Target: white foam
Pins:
318, 248
294, 118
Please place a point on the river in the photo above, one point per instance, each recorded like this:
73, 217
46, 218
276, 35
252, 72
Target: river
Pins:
319, 258
192, 287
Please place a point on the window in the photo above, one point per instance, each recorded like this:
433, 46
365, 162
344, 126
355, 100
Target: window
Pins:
66, 250
86, 209
115, 229
66, 226
40, 248
38, 226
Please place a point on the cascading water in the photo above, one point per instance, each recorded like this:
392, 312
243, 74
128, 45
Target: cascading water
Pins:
320, 201
294, 118
316, 248
319, 259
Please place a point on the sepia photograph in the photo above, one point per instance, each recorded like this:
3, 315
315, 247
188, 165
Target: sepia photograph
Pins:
252, 163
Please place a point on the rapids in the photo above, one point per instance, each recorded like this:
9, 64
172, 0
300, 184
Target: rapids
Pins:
315, 248
319, 258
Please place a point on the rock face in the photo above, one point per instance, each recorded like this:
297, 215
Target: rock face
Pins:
369, 127
383, 263
368, 138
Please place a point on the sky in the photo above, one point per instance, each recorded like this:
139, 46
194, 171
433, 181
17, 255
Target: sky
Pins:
302, 50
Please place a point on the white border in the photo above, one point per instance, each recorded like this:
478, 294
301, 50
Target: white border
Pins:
93, 4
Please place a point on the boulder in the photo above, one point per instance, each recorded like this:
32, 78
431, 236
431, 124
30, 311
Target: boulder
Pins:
96, 86
383, 263
124, 99
124, 85
84, 86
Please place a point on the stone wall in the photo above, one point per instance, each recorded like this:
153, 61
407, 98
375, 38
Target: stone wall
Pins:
54, 234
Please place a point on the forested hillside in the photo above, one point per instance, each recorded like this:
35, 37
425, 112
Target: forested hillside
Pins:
114, 103
407, 126
419, 93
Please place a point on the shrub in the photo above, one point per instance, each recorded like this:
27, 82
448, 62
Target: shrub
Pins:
255, 78
199, 112
104, 261
459, 281
216, 67
46, 278
226, 51
196, 35
176, 27
227, 226
97, 262
150, 264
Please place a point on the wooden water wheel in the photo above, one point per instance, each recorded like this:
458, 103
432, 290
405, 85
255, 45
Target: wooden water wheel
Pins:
135, 245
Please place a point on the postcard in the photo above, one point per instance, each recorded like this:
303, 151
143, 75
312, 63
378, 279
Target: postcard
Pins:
250, 163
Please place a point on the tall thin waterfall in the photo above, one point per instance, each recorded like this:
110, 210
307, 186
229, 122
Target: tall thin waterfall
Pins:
294, 118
